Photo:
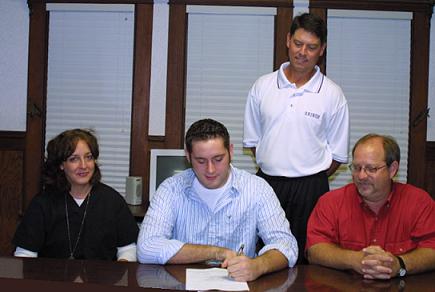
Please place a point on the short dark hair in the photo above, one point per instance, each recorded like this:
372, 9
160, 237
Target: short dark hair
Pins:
391, 148
311, 23
206, 129
58, 150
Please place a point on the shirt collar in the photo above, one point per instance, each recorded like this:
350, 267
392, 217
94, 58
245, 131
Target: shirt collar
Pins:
313, 85
387, 202
235, 187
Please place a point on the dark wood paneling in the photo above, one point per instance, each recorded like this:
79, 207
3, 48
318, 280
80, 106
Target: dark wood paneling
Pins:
175, 105
36, 97
11, 180
283, 20
31, 2
139, 157
268, 3
420, 33
430, 168
388, 5
12, 140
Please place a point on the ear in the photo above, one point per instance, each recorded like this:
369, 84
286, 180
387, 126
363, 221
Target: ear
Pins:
231, 151
393, 169
187, 155
61, 167
289, 37
322, 50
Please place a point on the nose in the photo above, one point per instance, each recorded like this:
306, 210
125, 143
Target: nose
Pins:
303, 50
82, 162
210, 167
361, 174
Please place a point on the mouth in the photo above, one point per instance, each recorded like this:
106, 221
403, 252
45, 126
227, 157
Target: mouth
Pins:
82, 174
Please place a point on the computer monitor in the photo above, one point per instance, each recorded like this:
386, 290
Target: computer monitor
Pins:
163, 164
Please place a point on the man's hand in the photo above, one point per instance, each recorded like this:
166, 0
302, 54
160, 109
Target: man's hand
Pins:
242, 268
378, 264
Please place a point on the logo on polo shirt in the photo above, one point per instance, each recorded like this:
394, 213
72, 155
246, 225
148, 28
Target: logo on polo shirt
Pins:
312, 115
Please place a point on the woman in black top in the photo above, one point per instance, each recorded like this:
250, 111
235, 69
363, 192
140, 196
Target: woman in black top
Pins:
76, 216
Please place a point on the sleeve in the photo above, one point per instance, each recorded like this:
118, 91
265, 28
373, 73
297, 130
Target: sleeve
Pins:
321, 225
155, 245
424, 227
127, 228
273, 226
252, 120
31, 230
338, 131
127, 252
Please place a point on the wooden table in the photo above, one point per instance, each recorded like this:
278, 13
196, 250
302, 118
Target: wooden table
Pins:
17, 274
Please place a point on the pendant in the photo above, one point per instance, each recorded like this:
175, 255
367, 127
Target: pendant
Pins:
71, 257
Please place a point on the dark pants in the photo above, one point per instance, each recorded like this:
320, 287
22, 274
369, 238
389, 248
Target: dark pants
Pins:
298, 196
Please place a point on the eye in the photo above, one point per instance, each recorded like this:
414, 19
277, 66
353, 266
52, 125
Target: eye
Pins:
200, 160
219, 159
73, 159
297, 44
89, 157
371, 169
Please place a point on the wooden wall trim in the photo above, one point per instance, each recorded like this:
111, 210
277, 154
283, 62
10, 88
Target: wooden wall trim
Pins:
32, 2
175, 103
139, 156
430, 151
420, 31
389, 5
12, 140
36, 95
283, 20
266, 3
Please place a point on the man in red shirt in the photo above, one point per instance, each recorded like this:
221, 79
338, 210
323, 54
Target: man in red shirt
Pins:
374, 226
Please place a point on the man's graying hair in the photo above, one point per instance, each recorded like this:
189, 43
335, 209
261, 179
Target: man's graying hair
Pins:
391, 148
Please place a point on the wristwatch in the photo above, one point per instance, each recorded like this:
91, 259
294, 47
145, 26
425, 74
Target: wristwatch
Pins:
402, 270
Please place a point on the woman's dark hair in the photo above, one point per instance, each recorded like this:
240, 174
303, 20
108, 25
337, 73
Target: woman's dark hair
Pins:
58, 150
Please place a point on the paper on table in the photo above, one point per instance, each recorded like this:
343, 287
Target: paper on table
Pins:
214, 278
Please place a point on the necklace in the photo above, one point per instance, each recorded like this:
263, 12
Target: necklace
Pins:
71, 250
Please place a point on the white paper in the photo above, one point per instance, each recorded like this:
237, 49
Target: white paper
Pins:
214, 278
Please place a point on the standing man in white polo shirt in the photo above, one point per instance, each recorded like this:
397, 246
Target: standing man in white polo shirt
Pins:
297, 125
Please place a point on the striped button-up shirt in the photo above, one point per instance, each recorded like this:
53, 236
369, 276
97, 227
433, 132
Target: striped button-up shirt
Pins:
248, 210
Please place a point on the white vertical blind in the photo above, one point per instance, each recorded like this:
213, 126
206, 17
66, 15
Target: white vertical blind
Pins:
90, 82
228, 49
369, 57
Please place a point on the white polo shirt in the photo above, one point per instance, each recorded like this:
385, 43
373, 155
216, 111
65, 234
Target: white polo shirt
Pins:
296, 131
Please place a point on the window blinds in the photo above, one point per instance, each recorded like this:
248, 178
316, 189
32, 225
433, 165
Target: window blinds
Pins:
369, 57
228, 49
90, 81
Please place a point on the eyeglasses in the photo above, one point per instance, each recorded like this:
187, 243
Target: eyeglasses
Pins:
367, 169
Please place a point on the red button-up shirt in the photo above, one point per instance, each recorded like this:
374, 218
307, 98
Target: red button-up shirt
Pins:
406, 220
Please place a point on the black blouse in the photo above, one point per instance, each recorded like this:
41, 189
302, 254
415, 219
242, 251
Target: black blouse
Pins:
108, 224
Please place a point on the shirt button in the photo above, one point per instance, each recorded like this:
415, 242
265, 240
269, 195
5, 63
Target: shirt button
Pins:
374, 240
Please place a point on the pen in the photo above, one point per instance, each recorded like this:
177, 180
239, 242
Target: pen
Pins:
240, 251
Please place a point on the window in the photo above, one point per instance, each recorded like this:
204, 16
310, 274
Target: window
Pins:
228, 49
369, 57
90, 79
